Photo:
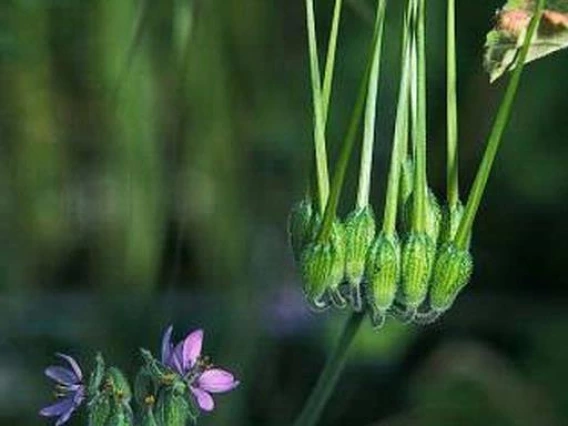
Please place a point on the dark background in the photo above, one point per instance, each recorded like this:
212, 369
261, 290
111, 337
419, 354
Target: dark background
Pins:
149, 154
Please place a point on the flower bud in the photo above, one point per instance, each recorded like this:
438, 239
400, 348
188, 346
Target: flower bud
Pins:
323, 266
383, 275
359, 234
299, 224
452, 272
418, 253
172, 408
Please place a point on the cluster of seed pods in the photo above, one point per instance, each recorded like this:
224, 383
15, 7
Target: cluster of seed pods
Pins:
413, 276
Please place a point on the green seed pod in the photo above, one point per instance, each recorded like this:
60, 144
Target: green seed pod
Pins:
172, 408
451, 218
418, 253
148, 418
144, 386
434, 216
383, 275
96, 378
98, 410
299, 223
155, 369
323, 266
359, 229
119, 384
452, 272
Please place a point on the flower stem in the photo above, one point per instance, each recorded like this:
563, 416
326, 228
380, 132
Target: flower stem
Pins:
400, 140
330, 60
329, 376
319, 122
370, 113
495, 136
452, 170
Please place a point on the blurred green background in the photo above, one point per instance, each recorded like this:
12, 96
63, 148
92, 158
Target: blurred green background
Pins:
149, 154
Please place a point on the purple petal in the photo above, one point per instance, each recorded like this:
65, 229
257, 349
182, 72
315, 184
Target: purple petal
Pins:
217, 380
192, 348
65, 417
73, 364
61, 375
167, 346
176, 359
58, 408
204, 400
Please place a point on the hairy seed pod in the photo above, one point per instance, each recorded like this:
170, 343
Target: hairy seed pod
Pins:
172, 408
433, 215
383, 275
121, 416
323, 266
359, 229
451, 218
418, 253
99, 409
119, 384
452, 272
144, 386
148, 419
96, 378
299, 222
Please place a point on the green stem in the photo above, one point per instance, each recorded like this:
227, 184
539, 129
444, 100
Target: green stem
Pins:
330, 60
400, 139
330, 375
345, 154
319, 125
420, 179
495, 136
370, 113
452, 170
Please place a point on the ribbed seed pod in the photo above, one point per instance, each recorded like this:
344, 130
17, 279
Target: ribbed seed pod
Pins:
418, 253
144, 386
323, 266
120, 416
172, 409
98, 410
452, 272
359, 229
119, 384
383, 275
299, 222
433, 216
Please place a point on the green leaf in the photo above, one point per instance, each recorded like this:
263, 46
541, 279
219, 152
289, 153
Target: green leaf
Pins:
505, 40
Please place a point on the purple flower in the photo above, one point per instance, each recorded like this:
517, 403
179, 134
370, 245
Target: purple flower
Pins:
202, 378
69, 389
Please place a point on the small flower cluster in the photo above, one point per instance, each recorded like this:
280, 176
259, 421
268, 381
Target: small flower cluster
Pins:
168, 392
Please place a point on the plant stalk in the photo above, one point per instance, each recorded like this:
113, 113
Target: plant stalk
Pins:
452, 169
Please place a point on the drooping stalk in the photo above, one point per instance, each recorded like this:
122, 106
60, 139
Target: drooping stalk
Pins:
496, 135
319, 123
348, 143
366, 165
400, 140
330, 374
419, 113
452, 169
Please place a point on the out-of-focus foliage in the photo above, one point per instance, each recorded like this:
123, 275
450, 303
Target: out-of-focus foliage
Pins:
149, 154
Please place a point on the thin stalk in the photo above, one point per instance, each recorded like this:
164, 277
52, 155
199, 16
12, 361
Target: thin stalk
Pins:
452, 169
330, 374
330, 60
319, 124
400, 140
420, 178
347, 147
370, 113
495, 136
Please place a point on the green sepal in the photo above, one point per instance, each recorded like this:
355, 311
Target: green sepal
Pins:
359, 229
99, 409
97, 375
121, 415
172, 407
119, 384
299, 226
144, 386
418, 254
383, 275
148, 418
452, 272
155, 369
